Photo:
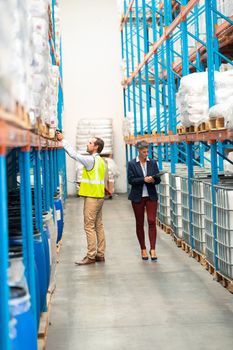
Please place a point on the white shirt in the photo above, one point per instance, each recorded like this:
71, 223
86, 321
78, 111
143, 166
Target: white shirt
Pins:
144, 170
87, 161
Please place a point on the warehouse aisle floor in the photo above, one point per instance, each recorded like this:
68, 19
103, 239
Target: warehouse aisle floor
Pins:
131, 304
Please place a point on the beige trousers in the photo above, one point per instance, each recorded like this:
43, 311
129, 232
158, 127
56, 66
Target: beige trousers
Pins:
94, 227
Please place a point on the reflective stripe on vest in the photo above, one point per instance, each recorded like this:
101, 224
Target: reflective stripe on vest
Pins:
92, 183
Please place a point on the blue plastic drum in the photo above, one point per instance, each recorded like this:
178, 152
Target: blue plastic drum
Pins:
40, 262
41, 268
20, 310
45, 238
59, 215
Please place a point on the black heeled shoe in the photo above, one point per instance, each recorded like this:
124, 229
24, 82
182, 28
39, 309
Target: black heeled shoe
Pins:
144, 257
153, 258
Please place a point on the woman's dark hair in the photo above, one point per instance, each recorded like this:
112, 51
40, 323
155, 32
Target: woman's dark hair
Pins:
100, 143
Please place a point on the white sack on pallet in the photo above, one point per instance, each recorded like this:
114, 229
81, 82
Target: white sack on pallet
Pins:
221, 110
88, 128
39, 8
228, 166
192, 98
128, 121
227, 7
223, 79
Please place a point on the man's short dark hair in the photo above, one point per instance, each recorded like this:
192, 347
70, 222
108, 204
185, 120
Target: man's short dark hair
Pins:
142, 144
100, 143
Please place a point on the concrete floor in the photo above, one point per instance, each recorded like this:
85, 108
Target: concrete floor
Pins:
131, 304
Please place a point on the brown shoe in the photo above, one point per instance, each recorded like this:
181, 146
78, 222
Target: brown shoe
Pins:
99, 258
85, 261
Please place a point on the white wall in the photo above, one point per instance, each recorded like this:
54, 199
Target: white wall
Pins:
91, 69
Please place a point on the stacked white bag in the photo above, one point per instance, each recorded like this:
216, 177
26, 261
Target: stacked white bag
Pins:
224, 92
39, 73
44, 76
228, 166
14, 46
128, 121
225, 7
102, 128
27, 76
88, 128
192, 98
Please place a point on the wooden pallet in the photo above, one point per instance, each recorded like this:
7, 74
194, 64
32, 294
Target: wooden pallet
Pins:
186, 247
182, 130
59, 245
44, 324
19, 117
217, 123
199, 257
223, 280
177, 240
167, 229
205, 126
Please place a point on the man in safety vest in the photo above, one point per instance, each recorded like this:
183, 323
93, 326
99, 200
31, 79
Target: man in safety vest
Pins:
92, 189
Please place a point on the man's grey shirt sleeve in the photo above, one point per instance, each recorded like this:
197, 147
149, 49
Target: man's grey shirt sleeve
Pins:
87, 161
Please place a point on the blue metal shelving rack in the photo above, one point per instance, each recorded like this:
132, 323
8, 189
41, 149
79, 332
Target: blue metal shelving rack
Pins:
28, 152
161, 42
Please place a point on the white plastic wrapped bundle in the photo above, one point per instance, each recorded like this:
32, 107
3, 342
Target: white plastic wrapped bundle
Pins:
49, 108
128, 121
13, 43
39, 60
57, 24
223, 98
225, 7
228, 166
193, 99
224, 110
40, 26
39, 8
88, 128
223, 86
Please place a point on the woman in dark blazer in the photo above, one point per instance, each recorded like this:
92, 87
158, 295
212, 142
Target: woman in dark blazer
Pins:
143, 176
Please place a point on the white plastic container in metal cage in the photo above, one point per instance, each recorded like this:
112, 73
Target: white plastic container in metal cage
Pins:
225, 259
224, 205
209, 250
164, 200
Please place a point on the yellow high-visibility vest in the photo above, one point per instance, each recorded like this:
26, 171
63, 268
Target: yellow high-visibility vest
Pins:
92, 183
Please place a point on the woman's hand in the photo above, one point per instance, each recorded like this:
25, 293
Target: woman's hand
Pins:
149, 179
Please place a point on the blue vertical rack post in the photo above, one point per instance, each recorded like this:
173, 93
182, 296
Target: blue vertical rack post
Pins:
45, 179
210, 30
133, 67
27, 224
125, 50
4, 289
51, 179
37, 189
170, 83
146, 49
157, 83
139, 79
